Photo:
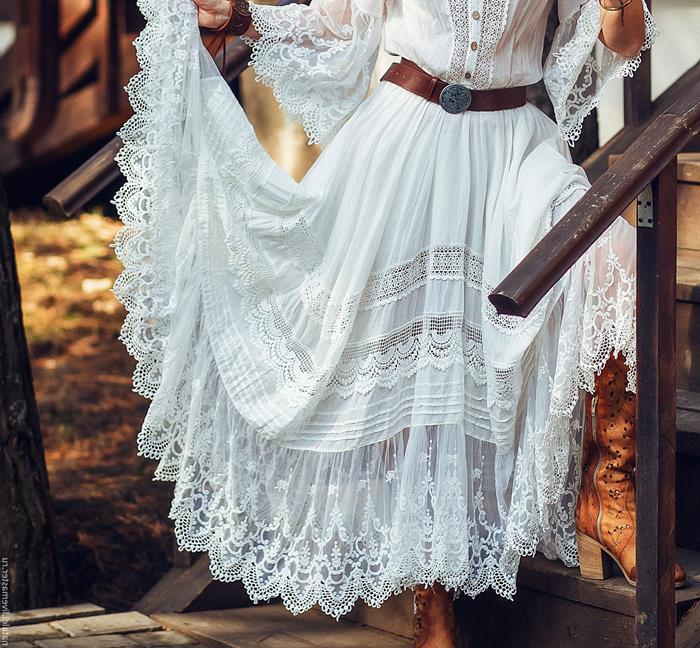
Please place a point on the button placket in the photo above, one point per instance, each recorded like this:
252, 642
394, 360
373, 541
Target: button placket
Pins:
474, 15
459, 17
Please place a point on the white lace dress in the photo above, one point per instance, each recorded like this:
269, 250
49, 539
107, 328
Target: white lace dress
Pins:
342, 411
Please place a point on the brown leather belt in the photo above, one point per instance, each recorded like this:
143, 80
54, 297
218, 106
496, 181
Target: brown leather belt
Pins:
453, 97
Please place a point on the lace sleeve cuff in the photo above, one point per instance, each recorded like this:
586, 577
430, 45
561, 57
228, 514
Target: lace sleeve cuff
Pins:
318, 59
580, 66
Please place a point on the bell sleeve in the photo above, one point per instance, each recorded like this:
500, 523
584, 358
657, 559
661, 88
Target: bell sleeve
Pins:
579, 66
317, 58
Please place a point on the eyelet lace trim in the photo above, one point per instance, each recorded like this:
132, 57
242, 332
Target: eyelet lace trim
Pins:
437, 263
148, 202
459, 15
493, 24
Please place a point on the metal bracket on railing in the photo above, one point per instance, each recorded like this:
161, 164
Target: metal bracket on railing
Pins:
645, 208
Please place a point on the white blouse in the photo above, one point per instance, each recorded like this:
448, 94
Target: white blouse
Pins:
319, 58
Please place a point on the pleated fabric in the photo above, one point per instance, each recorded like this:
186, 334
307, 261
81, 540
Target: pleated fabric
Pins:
342, 411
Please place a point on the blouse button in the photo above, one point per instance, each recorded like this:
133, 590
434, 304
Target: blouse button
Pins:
474, 45
476, 15
467, 75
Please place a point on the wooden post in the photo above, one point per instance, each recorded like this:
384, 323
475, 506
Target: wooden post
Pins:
36, 88
656, 409
637, 91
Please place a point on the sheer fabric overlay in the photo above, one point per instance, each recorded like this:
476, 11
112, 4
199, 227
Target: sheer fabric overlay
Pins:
579, 66
342, 411
318, 60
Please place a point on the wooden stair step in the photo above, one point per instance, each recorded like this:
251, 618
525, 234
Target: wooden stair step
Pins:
40, 615
147, 639
32, 632
688, 274
92, 641
394, 616
119, 622
554, 606
613, 594
273, 626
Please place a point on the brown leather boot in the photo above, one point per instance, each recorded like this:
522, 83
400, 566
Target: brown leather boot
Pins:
606, 515
433, 618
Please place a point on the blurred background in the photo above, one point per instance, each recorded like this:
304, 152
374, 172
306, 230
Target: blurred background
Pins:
63, 65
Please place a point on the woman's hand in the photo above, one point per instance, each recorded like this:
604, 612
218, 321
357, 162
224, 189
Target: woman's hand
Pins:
622, 31
212, 13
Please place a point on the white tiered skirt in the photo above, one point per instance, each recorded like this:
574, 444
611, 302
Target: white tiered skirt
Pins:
341, 409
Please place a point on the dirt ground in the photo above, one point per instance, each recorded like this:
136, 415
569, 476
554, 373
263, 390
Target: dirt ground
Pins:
112, 519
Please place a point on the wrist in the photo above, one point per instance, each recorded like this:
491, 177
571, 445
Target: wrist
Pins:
239, 21
224, 12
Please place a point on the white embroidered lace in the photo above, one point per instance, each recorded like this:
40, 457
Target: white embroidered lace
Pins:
459, 16
456, 502
579, 66
304, 52
493, 22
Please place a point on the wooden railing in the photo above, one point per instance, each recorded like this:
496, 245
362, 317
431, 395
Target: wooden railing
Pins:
646, 172
98, 172
81, 186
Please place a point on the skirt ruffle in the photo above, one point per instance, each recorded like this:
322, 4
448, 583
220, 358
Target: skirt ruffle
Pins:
342, 411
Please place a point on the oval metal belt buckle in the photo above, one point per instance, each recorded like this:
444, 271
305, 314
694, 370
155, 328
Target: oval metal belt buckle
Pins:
455, 98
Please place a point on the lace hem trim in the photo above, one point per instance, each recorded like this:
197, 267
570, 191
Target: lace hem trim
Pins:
370, 561
147, 203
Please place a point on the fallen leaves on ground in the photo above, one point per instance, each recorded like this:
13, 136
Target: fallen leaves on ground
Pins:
113, 529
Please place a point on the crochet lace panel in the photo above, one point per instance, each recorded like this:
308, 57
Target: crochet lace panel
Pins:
493, 23
459, 15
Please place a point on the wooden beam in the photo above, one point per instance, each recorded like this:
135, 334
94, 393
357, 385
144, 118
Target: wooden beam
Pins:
35, 52
98, 172
656, 412
586, 221
73, 13
688, 631
79, 57
596, 164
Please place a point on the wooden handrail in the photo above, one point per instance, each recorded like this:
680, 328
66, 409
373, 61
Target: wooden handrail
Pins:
81, 186
99, 171
584, 223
